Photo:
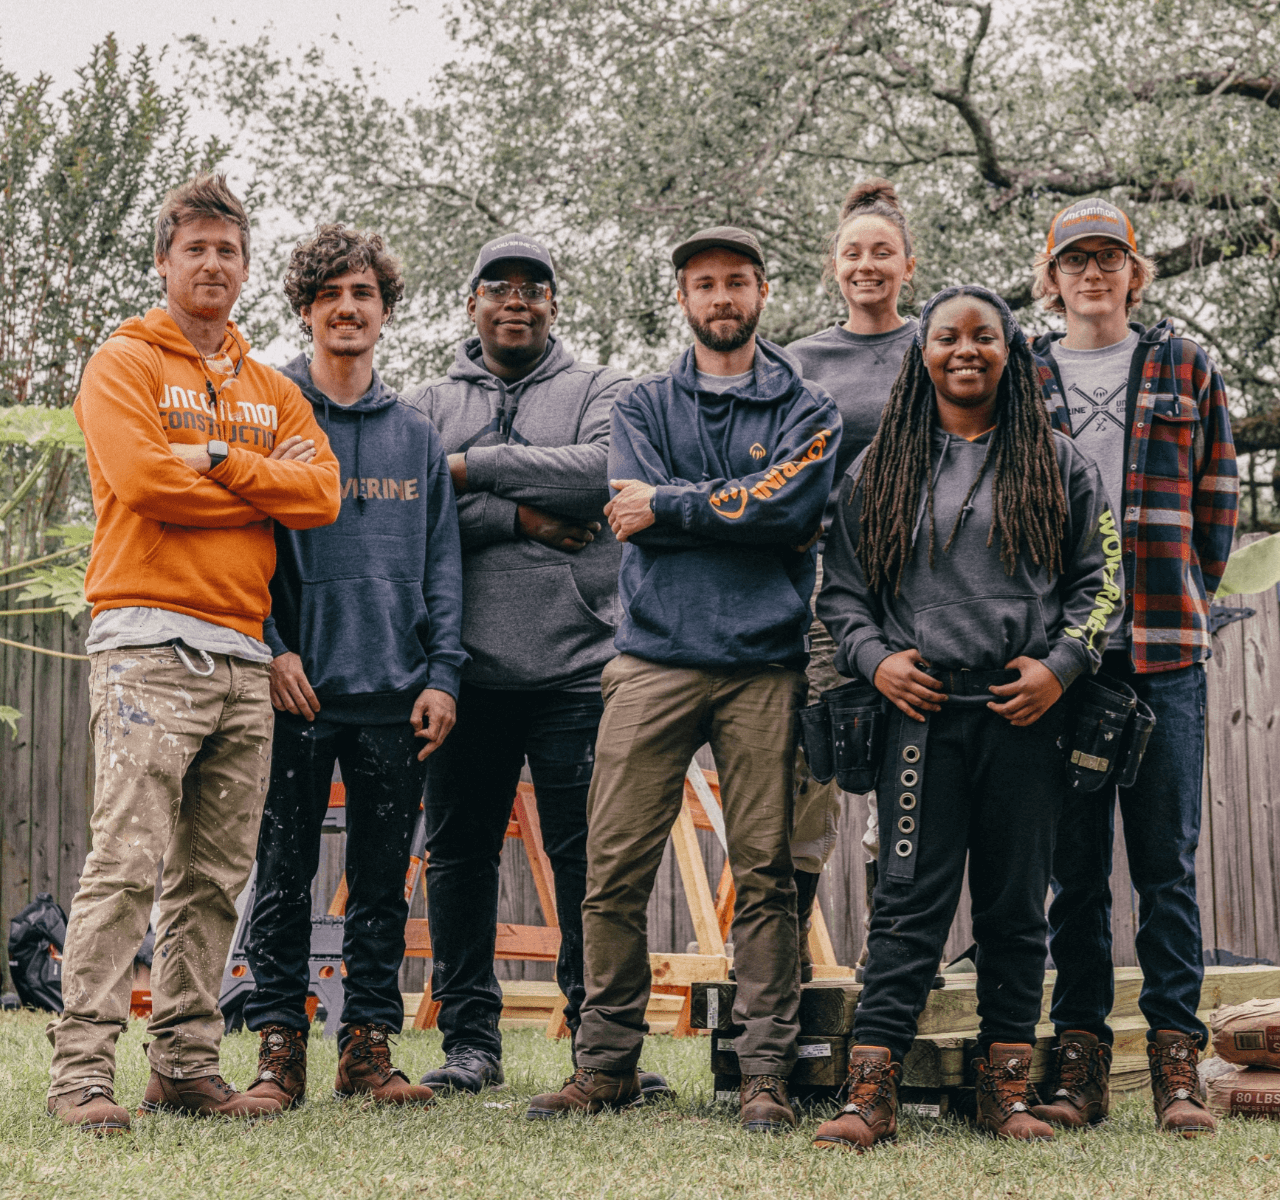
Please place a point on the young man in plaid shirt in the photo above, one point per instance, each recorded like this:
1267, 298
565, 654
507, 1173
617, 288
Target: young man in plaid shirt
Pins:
1152, 410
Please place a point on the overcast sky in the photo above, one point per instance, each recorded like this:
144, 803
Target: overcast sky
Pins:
405, 41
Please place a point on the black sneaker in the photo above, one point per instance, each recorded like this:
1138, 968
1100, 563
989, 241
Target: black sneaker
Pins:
465, 1070
654, 1087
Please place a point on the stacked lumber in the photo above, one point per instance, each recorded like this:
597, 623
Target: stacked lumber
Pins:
938, 1065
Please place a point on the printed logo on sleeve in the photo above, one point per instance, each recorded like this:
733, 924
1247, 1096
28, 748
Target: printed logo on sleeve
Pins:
731, 502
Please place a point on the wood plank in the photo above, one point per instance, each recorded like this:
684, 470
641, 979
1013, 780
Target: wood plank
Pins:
525, 810
681, 970
822, 1061
46, 753
15, 796
1234, 901
1261, 671
697, 889
75, 792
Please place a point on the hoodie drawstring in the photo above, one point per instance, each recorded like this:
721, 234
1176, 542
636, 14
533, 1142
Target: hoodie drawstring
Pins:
360, 496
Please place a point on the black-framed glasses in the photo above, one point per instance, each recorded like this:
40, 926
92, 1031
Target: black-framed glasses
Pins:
500, 290
1109, 259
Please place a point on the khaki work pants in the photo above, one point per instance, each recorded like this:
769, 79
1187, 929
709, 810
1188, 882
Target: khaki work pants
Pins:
655, 717
181, 769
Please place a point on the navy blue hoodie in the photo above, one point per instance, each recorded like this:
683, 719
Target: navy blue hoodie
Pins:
742, 477
373, 602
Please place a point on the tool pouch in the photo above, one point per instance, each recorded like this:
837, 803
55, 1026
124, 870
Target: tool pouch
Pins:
1134, 744
1103, 710
857, 734
815, 740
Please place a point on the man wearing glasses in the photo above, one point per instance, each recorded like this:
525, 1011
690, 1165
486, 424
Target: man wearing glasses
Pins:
527, 432
1151, 409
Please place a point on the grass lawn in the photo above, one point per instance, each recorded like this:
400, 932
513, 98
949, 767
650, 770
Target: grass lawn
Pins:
483, 1147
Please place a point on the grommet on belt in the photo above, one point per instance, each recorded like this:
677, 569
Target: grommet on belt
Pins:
912, 742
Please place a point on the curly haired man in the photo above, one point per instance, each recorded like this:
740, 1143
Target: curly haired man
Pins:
365, 629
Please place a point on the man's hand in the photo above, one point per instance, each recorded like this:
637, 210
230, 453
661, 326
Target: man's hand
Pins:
1027, 699
631, 510
458, 473
290, 688
294, 449
434, 714
900, 679
560, 533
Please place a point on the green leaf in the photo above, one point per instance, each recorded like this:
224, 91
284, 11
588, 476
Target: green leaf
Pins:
11, 717
64, 585
35, 425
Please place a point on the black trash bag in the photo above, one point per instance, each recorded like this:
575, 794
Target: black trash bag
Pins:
36, 938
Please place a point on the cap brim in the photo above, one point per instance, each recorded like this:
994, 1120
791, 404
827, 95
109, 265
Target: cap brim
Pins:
686, 250
549, 274
1089, 233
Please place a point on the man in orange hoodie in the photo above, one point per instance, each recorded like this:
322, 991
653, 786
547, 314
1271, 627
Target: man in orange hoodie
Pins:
194, 452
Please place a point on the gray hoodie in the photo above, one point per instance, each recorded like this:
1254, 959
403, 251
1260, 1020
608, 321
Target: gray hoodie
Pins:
533, 617
964, 611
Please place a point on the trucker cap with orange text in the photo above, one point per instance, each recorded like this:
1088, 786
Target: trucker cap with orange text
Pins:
1089, 218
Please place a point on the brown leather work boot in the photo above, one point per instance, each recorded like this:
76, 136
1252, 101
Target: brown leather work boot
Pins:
282, 1066
92, 1108
871, 1114
208, 1096
1175, 1084
1082, 1070
765, 1105
1004, 1086
365, 1070
587, 1090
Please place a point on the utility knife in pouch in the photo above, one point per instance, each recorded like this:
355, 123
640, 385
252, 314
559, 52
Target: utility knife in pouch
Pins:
857, 734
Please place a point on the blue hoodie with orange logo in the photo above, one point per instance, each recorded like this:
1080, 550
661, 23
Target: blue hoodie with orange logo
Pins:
742, 478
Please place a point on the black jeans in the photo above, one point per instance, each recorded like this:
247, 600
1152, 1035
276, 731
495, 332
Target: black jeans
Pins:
1161, 814
993, 792
471, 785
383, 780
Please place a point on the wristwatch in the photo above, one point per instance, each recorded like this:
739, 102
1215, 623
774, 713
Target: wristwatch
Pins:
217, 452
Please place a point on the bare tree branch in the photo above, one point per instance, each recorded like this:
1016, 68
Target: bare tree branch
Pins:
1265, 89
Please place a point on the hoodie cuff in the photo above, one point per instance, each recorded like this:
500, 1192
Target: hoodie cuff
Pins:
444, 677
498, 519
1068, 660
272, 638
668, 506
482, 468
868, 657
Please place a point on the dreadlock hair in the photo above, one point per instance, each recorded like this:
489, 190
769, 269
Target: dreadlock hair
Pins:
1028, 503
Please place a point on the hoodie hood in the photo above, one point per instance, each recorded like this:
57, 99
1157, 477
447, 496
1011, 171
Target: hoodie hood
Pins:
159, 329
775, 376
379, 396
468, 365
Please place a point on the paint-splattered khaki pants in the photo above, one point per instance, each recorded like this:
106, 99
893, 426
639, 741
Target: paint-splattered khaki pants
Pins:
181, 770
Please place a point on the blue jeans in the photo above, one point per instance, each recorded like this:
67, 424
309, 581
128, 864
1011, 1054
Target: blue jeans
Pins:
1161, 815
383, 780
471, 785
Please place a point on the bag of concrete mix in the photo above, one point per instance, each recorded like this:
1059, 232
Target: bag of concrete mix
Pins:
1243, 1092
1248, 1034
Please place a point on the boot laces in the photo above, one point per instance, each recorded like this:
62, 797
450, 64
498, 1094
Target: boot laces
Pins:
866, 1085
94, 1090
772, 1084
1074, 1068
583, 1077
366, 1044
278, 1049
1176, 1068
1006, 1083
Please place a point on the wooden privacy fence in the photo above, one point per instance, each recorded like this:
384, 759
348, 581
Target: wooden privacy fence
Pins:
46, 782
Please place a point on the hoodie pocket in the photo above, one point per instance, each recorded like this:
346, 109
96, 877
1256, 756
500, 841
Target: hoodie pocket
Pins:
530, 626
982, 632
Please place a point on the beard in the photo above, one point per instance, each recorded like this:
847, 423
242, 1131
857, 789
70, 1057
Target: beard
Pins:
737, 337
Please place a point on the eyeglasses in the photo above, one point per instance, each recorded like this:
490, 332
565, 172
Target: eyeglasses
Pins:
500, 290
1109, 259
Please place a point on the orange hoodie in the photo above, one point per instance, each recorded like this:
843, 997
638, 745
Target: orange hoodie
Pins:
168, 537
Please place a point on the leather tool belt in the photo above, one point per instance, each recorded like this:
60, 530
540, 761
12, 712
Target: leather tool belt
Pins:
1109, 732
843, 734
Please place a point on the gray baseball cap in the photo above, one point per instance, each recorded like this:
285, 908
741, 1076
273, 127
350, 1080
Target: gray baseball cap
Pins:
518, 246
719, 237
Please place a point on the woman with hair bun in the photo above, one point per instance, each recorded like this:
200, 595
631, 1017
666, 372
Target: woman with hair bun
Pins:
856, 361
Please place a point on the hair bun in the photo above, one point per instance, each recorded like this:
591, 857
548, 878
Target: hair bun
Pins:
868, 193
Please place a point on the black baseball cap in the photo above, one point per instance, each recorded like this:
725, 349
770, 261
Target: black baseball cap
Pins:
518, 246
721, 237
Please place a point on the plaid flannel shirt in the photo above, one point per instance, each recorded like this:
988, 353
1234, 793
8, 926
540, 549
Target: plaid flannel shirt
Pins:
1181, 492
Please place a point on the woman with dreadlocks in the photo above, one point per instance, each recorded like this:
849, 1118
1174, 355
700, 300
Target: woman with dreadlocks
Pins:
972, 574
